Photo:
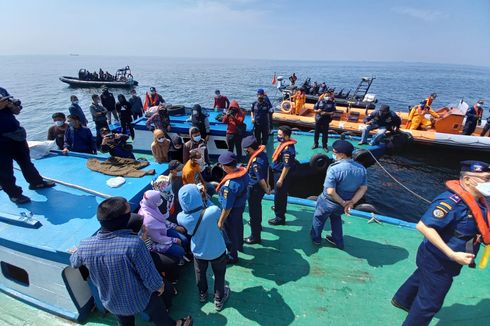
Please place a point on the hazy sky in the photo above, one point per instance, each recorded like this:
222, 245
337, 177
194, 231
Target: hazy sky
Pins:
442, 31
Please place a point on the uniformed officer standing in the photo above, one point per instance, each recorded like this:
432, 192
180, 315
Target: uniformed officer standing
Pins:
232, 197
345, 184
260, 117
452, 227
283, 162
324, 110
258, 170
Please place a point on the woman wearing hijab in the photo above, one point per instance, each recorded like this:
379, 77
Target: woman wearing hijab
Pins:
160, 146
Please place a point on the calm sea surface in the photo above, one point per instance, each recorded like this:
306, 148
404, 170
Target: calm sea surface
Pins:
34, 80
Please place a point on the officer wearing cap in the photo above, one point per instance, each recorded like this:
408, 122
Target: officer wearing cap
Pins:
452, 237
260, 117
232, 192
324, 109
345, 184
258, 172
473, 116
283, 162
384, 120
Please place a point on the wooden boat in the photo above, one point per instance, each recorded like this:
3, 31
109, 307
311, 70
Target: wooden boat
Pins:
445, 132
285, 280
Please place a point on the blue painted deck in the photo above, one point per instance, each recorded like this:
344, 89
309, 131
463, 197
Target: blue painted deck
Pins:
180, 125
66, 215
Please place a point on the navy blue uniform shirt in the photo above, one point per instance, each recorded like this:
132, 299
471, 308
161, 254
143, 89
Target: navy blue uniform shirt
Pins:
286, 159
234, 193
258, 169
261, 112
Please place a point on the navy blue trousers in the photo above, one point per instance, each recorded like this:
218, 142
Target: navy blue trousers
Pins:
234, 231
424, 291
281, 195
255, 195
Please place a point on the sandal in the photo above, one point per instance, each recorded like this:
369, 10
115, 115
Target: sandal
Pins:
44, 184
186, 321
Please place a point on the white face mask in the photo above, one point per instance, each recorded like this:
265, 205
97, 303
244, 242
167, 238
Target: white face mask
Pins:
197, 138
59, 123
160, 203
483, 188
75, 102
334, 156
160, 140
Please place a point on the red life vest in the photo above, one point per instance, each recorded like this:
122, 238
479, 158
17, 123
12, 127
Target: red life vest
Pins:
242, 171
150, 100
281, 147
482, 222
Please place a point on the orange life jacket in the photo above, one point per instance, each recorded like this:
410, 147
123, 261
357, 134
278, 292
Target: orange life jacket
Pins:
281, 147
150, 100
482, 222
239, 173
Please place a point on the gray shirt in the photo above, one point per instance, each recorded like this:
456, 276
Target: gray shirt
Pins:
97, 108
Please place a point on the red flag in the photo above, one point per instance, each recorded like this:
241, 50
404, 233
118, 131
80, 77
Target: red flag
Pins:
274, 79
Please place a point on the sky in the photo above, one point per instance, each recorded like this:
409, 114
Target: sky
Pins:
437, 31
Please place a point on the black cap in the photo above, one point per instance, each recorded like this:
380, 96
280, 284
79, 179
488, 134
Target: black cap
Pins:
343, 147
248, 141
175, 165
227, 158
153, 89
177, 140
384, 107
474, 166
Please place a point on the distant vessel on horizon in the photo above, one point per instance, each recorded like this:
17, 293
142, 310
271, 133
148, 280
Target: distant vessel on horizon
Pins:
74, 55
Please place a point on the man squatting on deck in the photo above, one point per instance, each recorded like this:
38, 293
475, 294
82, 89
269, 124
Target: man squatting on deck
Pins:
453, 227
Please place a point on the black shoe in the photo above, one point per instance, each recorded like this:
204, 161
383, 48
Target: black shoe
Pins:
397, 305
188, 257
230, 260
218, 304
21, 199
314, 146
203, 297
333, 243
44, 184
325, 148
277, 221
251, 240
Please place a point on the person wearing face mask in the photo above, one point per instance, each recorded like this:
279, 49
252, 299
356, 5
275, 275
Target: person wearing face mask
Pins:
260, 117
384, 120
78, 138
57, 131
136, 105
160, 146
196, 142
283, 161
115, 144
345, 184
139, 286
199, 119
324, 109
473, 115
258, 172
235, 128
152, 99
75, 109
455, 224
232, 192
109, 102
99, 115
176, 151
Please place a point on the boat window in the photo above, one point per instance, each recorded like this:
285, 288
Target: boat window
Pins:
15, 274
220, 144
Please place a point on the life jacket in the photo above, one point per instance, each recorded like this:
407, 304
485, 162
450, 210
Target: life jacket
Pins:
254, 155
151, 100
281, 147
482, 222
234, 175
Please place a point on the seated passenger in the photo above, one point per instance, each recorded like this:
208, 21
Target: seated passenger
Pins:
417, 119
78, 138
382, 119
57, 132
176, 151
160, 119
160, 146
159, 229
115, 144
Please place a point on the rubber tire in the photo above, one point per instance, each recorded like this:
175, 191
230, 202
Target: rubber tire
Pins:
176, 110
320, 162
363, 157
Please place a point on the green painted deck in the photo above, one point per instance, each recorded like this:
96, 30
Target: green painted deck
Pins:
288, 280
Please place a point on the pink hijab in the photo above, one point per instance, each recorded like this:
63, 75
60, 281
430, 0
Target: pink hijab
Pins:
149, 205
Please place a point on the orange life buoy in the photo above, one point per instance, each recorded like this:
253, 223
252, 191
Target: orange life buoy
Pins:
286, 106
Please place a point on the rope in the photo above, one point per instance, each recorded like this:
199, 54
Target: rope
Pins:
399, 183
74, 186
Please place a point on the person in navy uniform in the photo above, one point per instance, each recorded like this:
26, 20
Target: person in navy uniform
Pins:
324, 110
473, 117
345, 184
283, 162
258, 170
232, 197
451, 241
384, 120
260, 117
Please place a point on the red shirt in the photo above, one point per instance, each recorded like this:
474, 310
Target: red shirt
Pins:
221, 102
233, 120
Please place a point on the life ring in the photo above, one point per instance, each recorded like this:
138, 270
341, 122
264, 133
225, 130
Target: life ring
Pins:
319, 162
286, 107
